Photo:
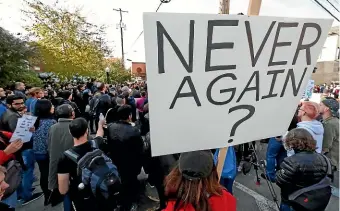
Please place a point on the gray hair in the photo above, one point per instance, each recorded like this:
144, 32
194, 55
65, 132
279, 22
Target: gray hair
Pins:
119, 101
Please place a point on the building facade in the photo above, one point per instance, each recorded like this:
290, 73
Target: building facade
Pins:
138, 69
328, 62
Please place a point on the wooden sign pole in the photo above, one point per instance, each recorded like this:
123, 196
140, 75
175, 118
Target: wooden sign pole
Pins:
224, 9
253, 9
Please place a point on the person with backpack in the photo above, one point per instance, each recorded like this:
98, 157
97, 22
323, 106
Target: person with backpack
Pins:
126, 148
67, 97
100, 103
305, 177
85, 173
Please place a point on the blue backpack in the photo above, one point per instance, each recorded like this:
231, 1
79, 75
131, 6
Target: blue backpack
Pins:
96, 172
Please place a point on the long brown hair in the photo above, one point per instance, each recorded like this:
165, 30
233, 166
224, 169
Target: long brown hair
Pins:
194, 192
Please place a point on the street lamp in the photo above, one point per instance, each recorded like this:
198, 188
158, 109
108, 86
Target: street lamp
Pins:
107, 70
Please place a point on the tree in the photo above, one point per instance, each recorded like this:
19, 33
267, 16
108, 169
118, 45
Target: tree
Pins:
14, 56
117, 74
67, 44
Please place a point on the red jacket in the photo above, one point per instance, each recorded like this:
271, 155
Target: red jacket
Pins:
3, 156
226, 202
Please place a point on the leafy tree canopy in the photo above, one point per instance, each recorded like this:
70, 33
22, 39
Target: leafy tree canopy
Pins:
14, 56
66, 43
117, 74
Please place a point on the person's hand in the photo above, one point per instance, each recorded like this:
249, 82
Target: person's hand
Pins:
13, 147
101, 122
32, 129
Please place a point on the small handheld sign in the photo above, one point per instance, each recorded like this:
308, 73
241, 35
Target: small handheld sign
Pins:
217, 80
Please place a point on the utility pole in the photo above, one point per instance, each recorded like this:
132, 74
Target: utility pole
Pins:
121, 26
224, 6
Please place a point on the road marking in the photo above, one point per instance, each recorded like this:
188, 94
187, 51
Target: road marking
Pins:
262, 202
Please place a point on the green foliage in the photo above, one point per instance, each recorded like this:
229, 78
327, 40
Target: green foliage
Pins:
117, 74
67, 44
14, 56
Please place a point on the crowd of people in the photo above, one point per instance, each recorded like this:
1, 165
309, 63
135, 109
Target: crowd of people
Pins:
331, 90
91, 141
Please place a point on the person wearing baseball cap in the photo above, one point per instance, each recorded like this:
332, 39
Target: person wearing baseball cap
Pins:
329, 109
193, 185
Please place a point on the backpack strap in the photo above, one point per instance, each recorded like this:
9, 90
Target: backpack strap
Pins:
72, 155
325, 182
94, 144
329, 165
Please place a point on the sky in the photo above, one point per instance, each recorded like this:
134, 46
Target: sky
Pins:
101, 12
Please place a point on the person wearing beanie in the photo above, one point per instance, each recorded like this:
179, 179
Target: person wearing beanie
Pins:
329, 109
193, 185
307, 114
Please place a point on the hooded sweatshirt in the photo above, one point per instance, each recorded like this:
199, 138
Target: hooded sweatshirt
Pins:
315, 128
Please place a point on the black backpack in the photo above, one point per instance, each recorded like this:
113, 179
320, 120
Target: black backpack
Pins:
96, 173
94, 102
314, 197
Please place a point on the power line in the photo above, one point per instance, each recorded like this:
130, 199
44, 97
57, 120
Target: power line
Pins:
332, 5
327, 10
140, 34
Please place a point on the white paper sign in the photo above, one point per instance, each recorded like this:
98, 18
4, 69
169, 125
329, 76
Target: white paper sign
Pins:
220, 80
308, 92
22, 129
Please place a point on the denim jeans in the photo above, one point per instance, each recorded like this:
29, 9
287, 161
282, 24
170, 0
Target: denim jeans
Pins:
228, 184
11, 200
275, 155
25, 188
43, 163
285, 207
67, 203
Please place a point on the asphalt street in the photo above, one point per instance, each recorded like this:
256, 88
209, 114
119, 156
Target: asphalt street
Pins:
250, 197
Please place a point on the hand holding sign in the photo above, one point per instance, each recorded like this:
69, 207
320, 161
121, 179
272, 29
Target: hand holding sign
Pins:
225, 77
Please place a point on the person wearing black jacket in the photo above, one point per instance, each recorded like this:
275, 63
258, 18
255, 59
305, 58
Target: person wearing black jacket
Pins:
67, 97
125, 146
157, 167
100, 103
303, 169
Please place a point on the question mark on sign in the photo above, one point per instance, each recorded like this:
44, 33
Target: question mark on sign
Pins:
251, 110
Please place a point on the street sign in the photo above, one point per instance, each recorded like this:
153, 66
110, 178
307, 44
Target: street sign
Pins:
221, 80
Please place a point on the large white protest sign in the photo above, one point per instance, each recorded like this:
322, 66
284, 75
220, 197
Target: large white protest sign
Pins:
220, 80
